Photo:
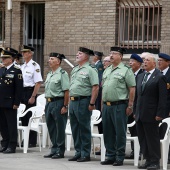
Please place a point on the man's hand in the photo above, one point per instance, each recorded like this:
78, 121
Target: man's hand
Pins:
15, 107
157, 118
31, 100
91, 107
63, 110
129, 111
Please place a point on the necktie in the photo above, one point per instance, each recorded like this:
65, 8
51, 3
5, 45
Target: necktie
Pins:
145, 80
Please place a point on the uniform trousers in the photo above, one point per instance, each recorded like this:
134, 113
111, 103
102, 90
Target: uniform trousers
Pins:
114, 120
27, 93
80, 118
56, 123
8, 126
149, 140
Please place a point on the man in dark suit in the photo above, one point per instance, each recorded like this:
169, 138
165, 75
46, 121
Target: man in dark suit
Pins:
149, 109
135, 63
11, 85
163, 65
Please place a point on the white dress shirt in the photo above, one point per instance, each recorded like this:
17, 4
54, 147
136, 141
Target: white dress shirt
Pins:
31, 73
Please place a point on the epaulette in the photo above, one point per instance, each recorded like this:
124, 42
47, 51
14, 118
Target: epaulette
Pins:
93, 66
62, 71
16, 67
127, 66
34, 63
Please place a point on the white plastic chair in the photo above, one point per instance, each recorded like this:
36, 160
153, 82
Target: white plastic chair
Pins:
41, 101
165, 145
33, 124
20, 111
136, 144
94, 121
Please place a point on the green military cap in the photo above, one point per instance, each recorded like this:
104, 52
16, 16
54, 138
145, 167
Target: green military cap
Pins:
86, 50
7, 54
26, 48
57, 55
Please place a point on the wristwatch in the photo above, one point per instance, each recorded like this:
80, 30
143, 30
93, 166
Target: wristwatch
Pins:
65, 106
91, 104
130, 107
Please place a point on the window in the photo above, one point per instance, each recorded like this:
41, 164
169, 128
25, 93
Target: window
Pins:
139, 25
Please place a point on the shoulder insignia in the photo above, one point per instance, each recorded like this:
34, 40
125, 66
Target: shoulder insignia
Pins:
34, 63
16, 67
93, 66
127, 66
37, 70
62, 71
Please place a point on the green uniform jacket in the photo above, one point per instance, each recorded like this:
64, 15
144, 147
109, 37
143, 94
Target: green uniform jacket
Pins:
82, 80
116, 83
56, 83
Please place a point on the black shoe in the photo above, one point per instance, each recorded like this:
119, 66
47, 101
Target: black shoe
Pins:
153, 167
74, 158
3, 149
49, 155
83, 159
98, 153
9, 150
57, 156
107, 162
118, 163
32, 145
144, 166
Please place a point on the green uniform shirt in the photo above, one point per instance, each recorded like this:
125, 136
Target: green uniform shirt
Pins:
56, 83
82, 80
116, 83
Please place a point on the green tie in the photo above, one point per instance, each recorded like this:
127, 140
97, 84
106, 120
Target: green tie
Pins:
145, 80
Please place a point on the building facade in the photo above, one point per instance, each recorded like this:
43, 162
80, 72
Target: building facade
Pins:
64, 25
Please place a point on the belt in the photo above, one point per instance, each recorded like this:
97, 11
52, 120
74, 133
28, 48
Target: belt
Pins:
116, 102
53, 99
28, 88
78, 98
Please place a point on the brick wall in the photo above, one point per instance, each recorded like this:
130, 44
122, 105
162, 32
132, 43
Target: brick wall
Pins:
68, 25
165, 27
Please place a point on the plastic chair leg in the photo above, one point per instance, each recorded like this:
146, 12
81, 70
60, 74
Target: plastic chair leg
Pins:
68, 142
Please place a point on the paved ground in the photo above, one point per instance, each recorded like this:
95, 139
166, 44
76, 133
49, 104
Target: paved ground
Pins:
34, 160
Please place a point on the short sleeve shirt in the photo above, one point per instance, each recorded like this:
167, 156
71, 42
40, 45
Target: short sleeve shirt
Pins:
116, 83
83, 79
31, 73
56, 83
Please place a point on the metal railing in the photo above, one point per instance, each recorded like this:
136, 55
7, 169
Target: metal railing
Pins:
139, 23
